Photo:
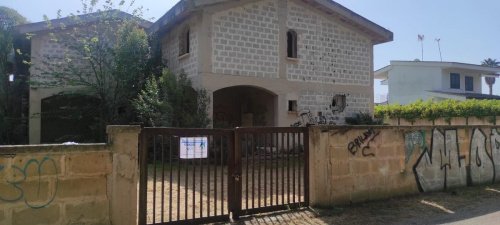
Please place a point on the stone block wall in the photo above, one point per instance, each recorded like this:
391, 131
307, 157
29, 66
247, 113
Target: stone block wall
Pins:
187, 63
245, 40
71, 184
356, 164
328, 52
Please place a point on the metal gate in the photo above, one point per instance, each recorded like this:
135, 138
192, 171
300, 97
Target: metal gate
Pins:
205, 175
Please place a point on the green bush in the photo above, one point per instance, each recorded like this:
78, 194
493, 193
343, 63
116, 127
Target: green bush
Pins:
429, 110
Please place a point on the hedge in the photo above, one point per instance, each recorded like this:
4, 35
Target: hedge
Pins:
446, 109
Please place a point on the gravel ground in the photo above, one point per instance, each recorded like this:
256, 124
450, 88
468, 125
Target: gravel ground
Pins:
428, 208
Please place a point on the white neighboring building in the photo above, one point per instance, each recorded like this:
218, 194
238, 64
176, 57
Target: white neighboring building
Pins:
409, 81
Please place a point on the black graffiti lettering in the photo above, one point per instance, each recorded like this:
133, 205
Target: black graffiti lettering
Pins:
363, 142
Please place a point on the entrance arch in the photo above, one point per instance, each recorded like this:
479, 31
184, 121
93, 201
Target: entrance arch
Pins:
244, 106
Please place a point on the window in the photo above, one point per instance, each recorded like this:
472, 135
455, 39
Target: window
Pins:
454, 81
292, 106
184, 42
291, 37
469, 83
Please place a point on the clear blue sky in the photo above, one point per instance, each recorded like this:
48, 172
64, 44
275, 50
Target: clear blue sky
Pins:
469, 30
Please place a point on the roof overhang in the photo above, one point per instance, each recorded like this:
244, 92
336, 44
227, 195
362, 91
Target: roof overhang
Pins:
185, 8
76, 20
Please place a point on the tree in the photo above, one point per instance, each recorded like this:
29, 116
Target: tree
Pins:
8, 19
490, 80
106, 58
171, 101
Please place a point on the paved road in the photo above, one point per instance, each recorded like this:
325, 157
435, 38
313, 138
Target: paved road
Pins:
467, 206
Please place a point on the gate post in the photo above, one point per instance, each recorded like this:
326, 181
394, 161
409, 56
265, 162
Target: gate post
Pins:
235, 176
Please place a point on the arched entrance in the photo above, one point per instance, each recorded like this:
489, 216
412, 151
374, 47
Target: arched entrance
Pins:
243, 106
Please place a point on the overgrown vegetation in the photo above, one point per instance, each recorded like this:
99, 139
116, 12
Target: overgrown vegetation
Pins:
8, 121
429, 110
170, 101
363, 119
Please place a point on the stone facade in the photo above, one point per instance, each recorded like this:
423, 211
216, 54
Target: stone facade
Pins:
170, 49
244, 43
245, 40
328, 51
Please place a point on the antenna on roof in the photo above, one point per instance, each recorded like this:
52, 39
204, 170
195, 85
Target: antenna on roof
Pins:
439, 47
421, 39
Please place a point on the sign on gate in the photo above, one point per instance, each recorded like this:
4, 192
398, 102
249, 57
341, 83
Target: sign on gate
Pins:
193, 147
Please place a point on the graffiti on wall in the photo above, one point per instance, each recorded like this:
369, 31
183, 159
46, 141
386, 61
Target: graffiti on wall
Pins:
35, 193
307, 119
337, 105
362, 143
441, 165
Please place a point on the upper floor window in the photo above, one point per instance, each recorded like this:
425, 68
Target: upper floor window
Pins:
454, 80
469, 83
291, 37
184, 41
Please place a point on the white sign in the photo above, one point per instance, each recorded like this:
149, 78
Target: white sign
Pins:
193, 147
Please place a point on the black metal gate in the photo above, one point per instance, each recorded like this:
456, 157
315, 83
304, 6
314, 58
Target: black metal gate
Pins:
204, 175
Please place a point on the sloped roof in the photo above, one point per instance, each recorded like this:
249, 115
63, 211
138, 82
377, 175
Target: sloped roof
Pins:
185, 8
69, 21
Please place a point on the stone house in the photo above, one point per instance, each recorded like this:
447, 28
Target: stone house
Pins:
409, 81
273, 62
44, 98
264, 63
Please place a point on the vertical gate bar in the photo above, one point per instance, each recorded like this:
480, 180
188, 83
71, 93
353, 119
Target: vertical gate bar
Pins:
271, 143
215, 176
300, 158
259, 161
222, 176
235, 159
288, 167
154, 179
293, 165
171, 178
186, 188
210, 142
277, 168
143, 189
306, 166
179, 166
246, 171
283, 169
193, 162
253, 170
265, 169
201, 183
162, 179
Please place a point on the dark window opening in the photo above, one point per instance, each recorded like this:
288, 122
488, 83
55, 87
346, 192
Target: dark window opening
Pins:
469, 83
454, 81
291, 44
292, 106
184, 42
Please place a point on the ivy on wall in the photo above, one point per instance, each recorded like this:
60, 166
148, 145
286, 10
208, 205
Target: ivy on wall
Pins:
429, 110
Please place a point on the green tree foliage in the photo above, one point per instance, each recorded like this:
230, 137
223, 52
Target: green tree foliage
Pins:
8, 19
447, 109
107, 58
171, 101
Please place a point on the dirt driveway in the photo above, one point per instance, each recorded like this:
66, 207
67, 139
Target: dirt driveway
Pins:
429, 208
